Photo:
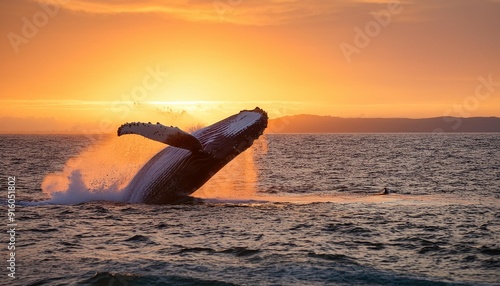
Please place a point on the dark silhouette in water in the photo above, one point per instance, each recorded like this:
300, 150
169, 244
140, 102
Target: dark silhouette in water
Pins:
191, 159
385, 191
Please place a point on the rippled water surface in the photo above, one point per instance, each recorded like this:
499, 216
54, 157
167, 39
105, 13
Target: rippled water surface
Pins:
313, 218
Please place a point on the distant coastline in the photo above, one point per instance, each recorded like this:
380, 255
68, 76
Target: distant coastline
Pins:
327, 124
306, 123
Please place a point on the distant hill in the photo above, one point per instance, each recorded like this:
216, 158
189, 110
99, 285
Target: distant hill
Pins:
328, 124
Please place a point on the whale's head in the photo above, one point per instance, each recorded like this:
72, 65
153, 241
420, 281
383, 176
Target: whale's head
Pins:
229, 137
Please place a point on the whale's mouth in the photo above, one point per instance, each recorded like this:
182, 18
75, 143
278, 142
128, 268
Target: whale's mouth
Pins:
234, 134
244, 120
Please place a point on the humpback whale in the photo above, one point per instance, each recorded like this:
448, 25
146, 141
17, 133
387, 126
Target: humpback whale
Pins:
190, 160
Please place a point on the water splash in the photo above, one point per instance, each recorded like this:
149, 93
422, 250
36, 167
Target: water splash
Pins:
78, 192
238, 179
101, 171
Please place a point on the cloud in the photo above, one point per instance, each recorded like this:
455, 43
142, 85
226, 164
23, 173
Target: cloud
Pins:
246, 12
259, 12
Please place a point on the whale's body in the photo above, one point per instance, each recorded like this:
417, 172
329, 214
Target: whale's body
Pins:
176, 172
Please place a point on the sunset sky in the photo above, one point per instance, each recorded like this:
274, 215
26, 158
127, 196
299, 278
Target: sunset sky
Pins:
90, 65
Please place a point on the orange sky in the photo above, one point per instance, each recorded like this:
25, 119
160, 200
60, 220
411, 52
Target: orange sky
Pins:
89, 65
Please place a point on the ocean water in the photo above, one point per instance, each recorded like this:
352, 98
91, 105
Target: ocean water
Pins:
293, 210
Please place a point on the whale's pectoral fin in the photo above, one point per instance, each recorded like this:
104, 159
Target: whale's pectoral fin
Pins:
172, 136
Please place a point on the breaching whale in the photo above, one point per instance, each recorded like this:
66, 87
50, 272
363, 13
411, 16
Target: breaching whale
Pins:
191, 160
